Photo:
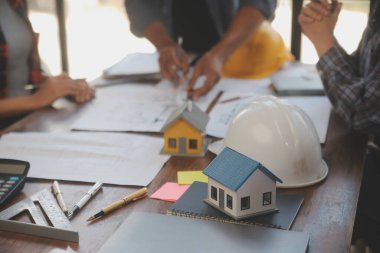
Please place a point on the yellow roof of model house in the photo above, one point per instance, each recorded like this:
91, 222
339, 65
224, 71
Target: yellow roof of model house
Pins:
192, 114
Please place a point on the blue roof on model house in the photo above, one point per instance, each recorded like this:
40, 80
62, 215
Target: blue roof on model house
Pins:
232, 169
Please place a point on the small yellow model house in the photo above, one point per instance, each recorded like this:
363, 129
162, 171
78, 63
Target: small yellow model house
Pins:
184, 131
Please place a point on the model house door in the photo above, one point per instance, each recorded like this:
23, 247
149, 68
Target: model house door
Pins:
182, 145
221, 198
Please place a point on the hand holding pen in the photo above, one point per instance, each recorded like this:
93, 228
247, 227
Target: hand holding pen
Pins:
119, 203
173, 62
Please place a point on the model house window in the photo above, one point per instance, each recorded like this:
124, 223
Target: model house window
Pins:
172, 143
245, 203
229, 201
193, 144
214, 193
267, 198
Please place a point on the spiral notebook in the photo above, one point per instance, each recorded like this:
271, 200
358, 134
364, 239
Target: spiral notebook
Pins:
191, 204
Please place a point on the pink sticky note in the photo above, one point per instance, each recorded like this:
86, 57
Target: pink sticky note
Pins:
170, 192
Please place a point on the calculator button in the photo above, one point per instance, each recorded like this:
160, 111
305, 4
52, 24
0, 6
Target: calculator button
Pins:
10, 182
14, 178
2, 181
3, 189
2, 193
7, 185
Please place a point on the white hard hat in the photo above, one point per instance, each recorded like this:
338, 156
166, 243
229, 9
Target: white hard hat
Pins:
282, 137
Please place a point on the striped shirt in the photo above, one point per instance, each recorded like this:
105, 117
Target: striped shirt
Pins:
352, 82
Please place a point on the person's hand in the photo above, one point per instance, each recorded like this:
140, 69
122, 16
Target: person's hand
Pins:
318, 22
209, 65
84, 92
173, 59
60, 86
321, 11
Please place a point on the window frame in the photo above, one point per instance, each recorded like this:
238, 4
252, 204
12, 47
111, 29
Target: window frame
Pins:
170, 142
192, 142
229, 200
248, 204
214, 193
265, 198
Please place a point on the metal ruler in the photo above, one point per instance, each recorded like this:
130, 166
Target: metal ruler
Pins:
57, 226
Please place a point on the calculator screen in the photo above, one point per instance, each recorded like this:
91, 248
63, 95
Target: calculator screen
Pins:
12, 168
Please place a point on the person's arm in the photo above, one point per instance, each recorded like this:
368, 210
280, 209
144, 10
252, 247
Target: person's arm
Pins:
146, 20
243, 26
14, 106
354, 96
50, 90
170, 58
142, 13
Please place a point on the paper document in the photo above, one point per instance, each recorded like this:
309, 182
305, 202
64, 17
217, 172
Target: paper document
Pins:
180, 95
235, 85
318, 108
113, 158
121, 116
132, 107
135, 64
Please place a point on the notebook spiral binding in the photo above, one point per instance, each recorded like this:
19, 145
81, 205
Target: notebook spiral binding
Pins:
174, 212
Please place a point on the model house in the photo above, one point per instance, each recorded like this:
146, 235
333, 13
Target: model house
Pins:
184, 131
240, 186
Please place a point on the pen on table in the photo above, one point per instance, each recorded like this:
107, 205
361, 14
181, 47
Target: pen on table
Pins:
58, 194
94, 189
233, 99
119, 203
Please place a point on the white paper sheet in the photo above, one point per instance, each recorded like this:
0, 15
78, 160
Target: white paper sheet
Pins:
132, 107
114, 158
316, 107
135, 64
121, 116
234, 85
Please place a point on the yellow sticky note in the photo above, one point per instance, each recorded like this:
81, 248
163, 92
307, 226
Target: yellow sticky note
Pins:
188, 177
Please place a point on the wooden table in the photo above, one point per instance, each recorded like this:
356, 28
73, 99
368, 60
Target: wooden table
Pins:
327, 214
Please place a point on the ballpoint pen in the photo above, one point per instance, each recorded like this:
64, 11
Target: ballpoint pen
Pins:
58, 194
94, 189
119, 203
178, 72
233, 99
179, 75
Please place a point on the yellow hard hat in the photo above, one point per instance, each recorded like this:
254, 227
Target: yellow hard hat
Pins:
263, 54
